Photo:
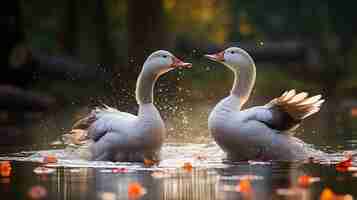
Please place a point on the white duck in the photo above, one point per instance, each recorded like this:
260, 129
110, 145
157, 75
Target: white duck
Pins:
120, 136
262, 132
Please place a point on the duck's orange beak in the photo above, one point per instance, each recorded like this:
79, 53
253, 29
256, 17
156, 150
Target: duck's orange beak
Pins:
216, 57
179, 63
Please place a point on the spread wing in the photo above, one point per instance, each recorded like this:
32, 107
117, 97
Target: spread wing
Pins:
286, 112
95, 125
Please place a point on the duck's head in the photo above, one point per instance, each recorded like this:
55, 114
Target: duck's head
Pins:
232, 57
162, 61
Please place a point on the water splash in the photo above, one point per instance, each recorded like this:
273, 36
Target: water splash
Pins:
173, 156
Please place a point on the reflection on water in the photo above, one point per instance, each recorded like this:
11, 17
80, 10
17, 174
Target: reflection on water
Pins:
210, 178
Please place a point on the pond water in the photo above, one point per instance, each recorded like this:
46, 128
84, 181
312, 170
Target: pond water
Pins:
209, 178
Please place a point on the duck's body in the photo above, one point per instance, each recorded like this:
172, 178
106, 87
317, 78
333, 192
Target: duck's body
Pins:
243, 137
262, 132
120, 136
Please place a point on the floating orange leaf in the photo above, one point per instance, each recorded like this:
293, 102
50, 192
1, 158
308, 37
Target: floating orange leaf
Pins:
245, 188
37, 192
328, 194
306, 180
50, 159
135, 190
149, 163
346, 163
354, 112
187, 166
342, 169
5, 168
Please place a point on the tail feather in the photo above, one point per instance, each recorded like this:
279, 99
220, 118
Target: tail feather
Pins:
76, 137
78, 134
84, 123
298, 105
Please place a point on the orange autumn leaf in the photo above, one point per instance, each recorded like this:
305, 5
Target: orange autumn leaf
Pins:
245, 188
187, 167
5, 168
149, 163
342, 169
50, 159
354, 112
306, 180
346, 163
135, 190
327, 194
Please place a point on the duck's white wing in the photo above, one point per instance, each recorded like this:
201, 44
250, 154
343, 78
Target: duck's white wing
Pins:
108, 119
286, 112
98, 123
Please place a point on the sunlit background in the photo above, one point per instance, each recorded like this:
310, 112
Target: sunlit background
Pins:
60, 59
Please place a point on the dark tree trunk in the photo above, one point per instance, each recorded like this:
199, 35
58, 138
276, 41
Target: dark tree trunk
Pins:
146, 31
107, 51
68, 38
17, 72
86, 32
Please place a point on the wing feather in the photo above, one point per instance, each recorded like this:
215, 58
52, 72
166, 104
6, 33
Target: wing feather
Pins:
95, 125
288, 110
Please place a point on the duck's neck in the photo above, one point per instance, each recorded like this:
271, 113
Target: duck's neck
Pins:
145, 86
244, 80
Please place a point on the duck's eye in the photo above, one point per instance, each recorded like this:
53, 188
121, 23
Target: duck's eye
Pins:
164, 56
232, 52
